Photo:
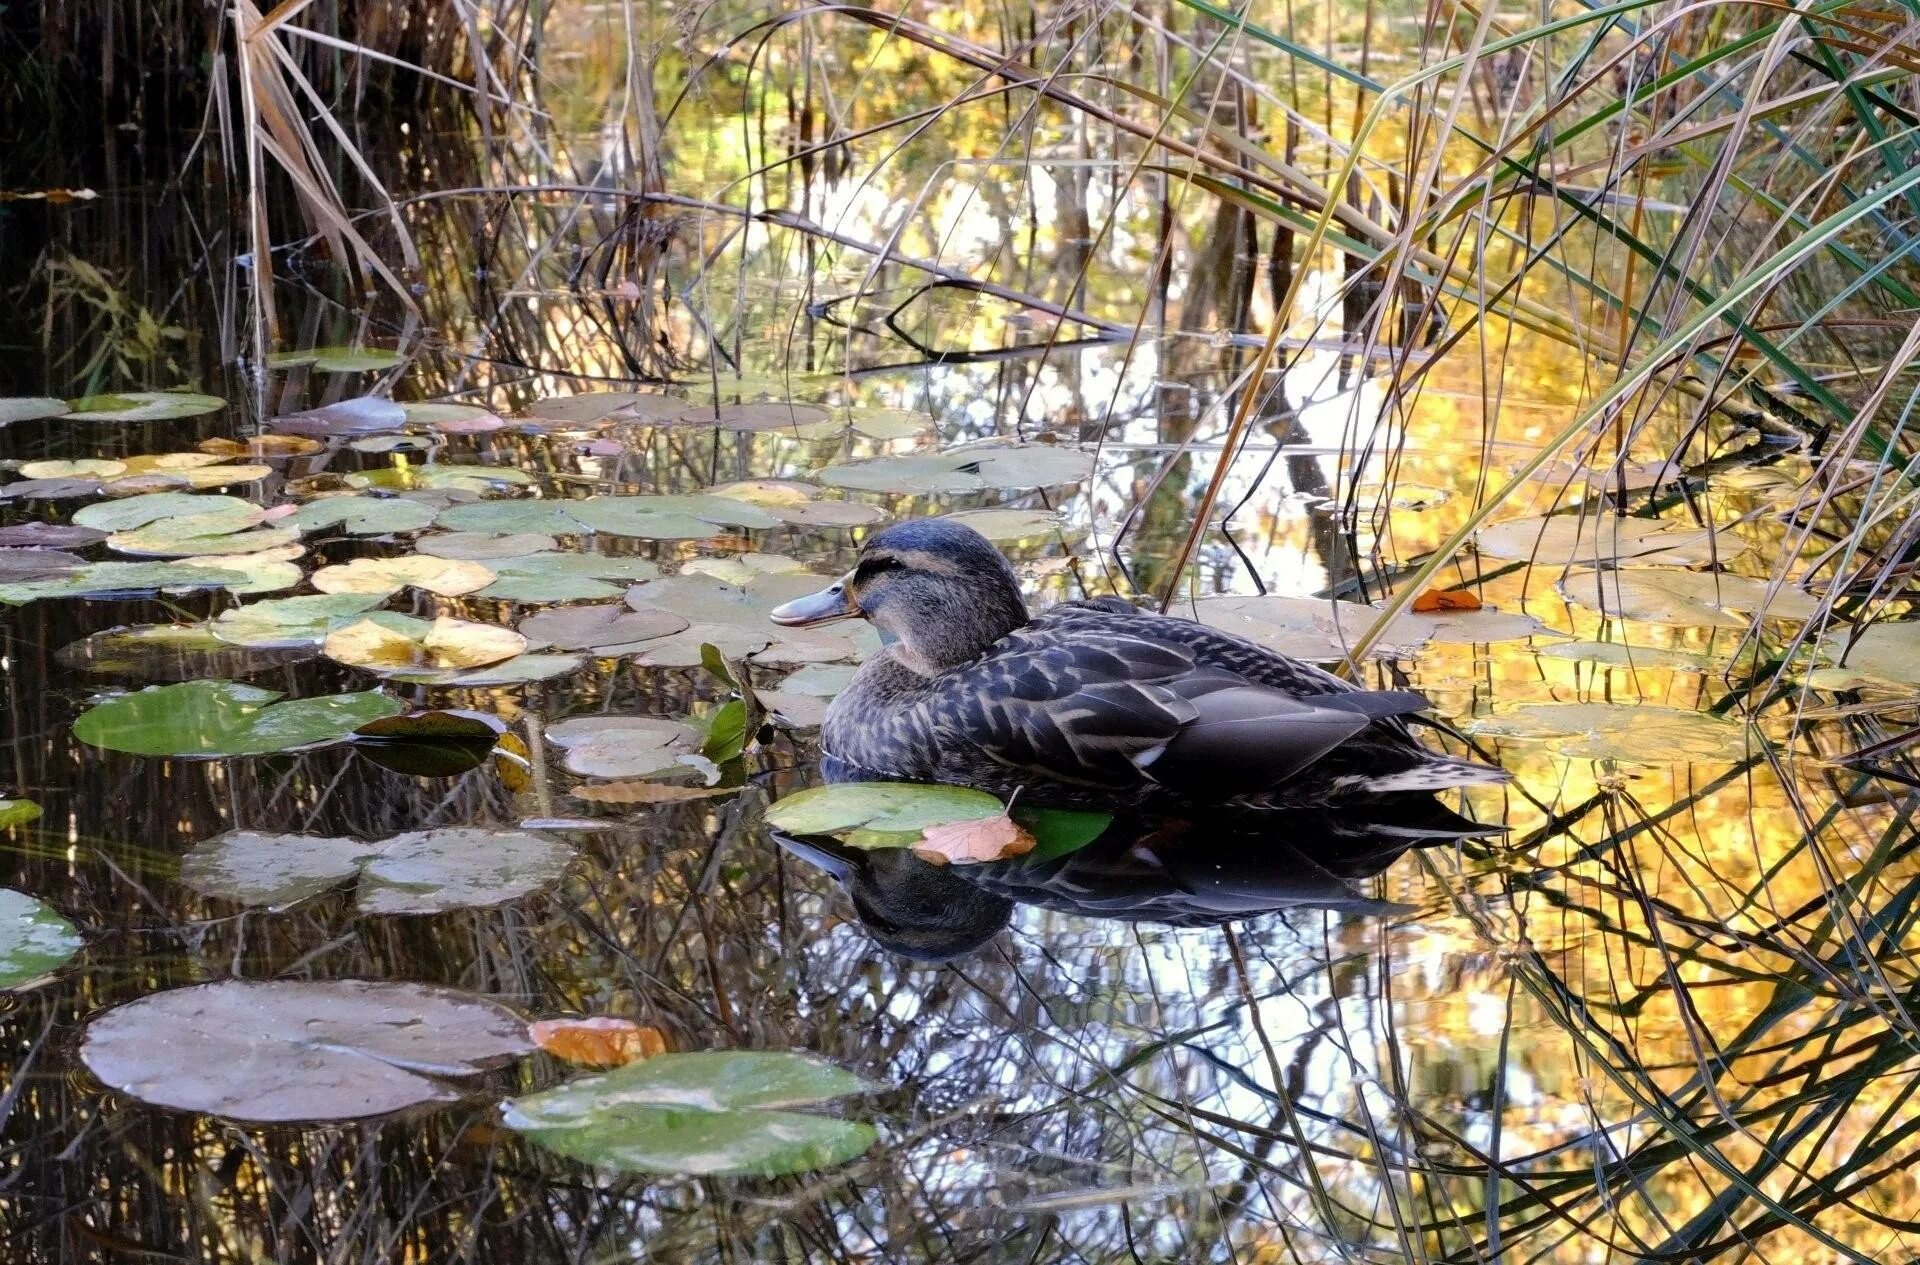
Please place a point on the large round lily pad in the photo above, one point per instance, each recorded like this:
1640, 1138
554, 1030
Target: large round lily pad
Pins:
1637, 733
974, 468
290, 621
690, 517
879, 807
101, 579
209, 719
33, 939
1607, 540
449, 577
421, 872
716, 1113
286, 1050
142, 406
410, 649
171, 652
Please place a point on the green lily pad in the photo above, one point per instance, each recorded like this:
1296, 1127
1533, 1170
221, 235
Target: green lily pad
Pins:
972, 468
485, 546
291, 621
564, 577
138, 511
862, 810
17, 812
645, 517
99, 579
30, 408
142, 406
199, 534
33, 939
336, 359
611, 631
521, 670
457, 477
362, 515
704, 1114
1607, 540
421, 872
623, 746
211, 719
287, 1050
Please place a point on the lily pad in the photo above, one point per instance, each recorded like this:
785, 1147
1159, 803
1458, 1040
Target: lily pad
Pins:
287, 1050
290, 621
597, 409
361, 416
409, 649
36, 564
1615, 655
1311, 628
452, 419
421, 872
48, 536
85, 468
261, 447
520, 670
780, 417
972, 468
795, 504
609, 631
17, 812
102, 579
142, 406
644, 517
212, 719
462, 478
34, 940
268, 571
1607, 540
1687, 599
30, 408
1639, 734
564, 577
449, 577
623, 746
200, 534
1005, 526
138, 511
886, 814
336, 359
362, 515
171, 652
704, 1114
485, 546
1888, 652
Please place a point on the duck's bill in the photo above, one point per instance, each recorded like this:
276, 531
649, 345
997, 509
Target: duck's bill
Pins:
816, 608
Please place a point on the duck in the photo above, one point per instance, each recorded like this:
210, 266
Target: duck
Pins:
1096, 702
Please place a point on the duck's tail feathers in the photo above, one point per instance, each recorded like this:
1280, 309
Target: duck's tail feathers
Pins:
1438, 773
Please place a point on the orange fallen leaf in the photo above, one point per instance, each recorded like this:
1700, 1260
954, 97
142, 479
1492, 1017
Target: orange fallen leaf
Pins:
602, 1041
970, 842
637, 792
1445, 600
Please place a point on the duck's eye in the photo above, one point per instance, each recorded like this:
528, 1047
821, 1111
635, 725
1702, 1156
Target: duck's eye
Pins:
871, 567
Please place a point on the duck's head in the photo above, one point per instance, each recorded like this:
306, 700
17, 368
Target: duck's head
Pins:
937, 590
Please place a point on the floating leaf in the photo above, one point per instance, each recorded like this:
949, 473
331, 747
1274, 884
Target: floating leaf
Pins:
362, 515
609, 631
138, 511
883, 808
718, 1113
336, 359
170, 652
267, 571
100, 579
793, 503
1311, 628
199, 534
421, 872
290, 621
409, 649
520, 670
49, 489
889, 423
973, 842
287, 1050
437, 475
971, 468
564, 577
261, 447
642, 517
622, 746
142, 406
482, 546
453, 419
36, 564
17, 812
30, 408
1006, 526
808, 420
1607, 539
743, 569
596, 409
1613, 654
1641, 734
602, 1041
361, 416
86, 468
1429, 601
1688, 599
449, 577
49, 536
34, 940
223, 718
1885, 651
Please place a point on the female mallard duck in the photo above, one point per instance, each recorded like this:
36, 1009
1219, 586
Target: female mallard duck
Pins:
1090, 701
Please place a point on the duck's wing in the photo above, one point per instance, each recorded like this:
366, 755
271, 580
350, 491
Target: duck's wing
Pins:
1107, 706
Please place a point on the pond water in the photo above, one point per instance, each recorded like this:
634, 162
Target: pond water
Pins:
1664, 1015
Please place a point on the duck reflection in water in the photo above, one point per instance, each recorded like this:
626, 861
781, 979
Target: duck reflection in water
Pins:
1173, 871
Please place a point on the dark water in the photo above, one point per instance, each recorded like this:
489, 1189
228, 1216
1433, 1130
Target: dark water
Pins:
1656, 1020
